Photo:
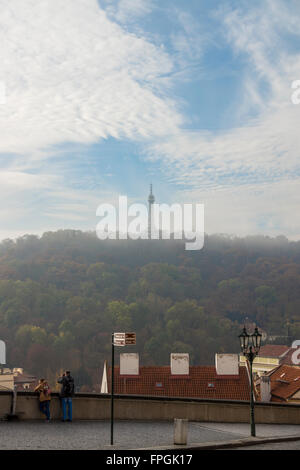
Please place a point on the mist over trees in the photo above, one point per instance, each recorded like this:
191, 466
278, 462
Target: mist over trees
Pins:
64, 293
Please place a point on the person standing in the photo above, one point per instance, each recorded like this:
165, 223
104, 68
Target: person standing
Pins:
44, 397
66, 394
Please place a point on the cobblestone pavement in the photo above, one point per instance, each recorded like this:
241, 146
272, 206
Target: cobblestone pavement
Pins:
293, 445
93, 435
262, 430
96, 435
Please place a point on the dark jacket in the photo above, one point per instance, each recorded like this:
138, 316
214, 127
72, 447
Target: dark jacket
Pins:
67, 388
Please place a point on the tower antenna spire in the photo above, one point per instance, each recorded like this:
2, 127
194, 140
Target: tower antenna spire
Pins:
151, 200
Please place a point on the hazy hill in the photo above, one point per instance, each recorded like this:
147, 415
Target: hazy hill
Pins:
63, 294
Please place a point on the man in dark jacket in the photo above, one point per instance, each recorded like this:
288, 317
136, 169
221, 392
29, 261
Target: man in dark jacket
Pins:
66, 394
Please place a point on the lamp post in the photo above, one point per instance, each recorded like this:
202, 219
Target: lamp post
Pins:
112, 390
250, 346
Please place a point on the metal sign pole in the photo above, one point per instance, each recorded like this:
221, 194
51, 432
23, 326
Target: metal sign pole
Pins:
112, 391
117, 339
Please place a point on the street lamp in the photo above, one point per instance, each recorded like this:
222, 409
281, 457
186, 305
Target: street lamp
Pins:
250, 346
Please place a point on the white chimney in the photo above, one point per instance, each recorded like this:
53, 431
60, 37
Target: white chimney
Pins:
2, 352
179, 364
265, 388
129, 364
227, 364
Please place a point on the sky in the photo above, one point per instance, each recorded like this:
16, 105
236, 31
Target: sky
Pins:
100, 98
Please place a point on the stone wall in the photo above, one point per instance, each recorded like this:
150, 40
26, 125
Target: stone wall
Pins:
94, 407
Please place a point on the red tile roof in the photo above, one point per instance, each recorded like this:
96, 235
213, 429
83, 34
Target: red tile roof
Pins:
202, 382
21, 379
285, 382
273, 350
288, 357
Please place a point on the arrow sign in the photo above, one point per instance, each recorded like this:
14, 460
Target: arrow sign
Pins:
130, 338
119, 339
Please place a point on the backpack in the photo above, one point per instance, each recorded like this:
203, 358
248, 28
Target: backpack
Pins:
68, 387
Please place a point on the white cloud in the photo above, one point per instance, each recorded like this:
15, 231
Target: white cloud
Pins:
11, 181
267, 208
125, 11
72, 75
190, 38
265, 150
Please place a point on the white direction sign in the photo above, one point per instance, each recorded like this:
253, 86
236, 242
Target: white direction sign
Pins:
119, 339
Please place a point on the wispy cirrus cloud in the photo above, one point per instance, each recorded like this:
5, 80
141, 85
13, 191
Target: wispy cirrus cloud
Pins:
72, 75
247, 167
84, 71
127, 11
264, 145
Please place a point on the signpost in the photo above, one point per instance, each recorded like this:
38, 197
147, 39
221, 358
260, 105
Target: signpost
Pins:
118, 339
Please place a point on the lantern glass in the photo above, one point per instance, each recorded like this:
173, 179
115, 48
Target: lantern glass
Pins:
244, 340
256, 339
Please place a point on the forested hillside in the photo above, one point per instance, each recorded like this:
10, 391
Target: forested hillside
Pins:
63, 294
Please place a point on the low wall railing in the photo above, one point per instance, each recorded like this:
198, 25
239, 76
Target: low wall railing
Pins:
93, 406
